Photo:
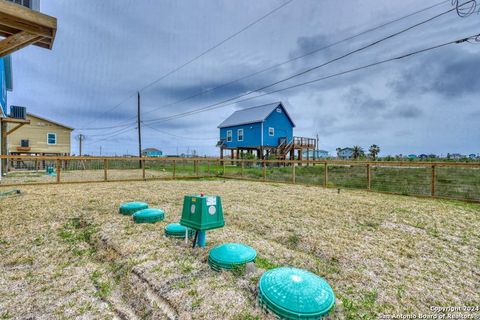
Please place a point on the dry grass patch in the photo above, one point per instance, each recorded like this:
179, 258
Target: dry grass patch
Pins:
66, 252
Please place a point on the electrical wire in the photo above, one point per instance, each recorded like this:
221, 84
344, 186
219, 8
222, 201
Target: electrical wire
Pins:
458, 41
328, 46
293, 59
114, 135
177, 136
374, 43
251, 24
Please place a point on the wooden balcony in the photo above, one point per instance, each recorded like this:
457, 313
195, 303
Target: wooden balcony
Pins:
21, 26
304, 143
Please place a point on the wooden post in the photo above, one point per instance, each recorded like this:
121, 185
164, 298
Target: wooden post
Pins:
369, 177
325, 182
264, 170
433, 180
59, 170
143, 169
174, 168
293, 172
105, 169
242, 168
208, 165
223, 163
196, 167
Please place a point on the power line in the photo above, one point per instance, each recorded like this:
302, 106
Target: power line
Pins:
296, 58
217, 45
114, 135
251, 24
474, 38
305, 71
108, 127
177, 136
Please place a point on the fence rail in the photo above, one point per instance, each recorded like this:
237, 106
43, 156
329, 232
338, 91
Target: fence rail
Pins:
453, 180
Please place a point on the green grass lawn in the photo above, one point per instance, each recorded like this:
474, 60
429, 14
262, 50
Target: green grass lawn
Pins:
461, 183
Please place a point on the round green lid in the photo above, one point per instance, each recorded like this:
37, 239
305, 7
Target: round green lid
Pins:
295, 293
130, 208
232, 253
175, 228
148, 215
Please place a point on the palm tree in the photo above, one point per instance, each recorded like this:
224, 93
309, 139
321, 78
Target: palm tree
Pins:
357, 152
374, 151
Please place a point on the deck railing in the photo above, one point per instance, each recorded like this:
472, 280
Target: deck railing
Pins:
304, 142
452, 180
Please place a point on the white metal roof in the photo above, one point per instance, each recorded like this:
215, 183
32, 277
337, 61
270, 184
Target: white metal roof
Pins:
252, 115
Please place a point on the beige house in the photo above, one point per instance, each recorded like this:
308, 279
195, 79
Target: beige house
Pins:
40, 137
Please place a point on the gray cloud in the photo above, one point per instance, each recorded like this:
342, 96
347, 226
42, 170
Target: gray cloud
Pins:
106, 51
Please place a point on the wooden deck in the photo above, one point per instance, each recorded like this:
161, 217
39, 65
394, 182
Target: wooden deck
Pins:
21, 26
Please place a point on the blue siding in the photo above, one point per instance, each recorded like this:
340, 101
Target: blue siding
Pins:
3, 85
281, 125
154, 153
251, 135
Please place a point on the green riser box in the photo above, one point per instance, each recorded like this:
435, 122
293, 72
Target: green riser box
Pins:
202, 212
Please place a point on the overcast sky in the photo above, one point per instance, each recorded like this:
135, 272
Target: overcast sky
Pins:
107, 50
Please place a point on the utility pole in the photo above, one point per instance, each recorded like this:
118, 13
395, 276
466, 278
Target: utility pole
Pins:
80, 137
139, 130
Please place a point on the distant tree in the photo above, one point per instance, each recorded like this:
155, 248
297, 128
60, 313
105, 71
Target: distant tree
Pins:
357, 152
338, 151
374, 151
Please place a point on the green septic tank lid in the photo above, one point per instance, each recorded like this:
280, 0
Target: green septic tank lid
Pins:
148, 215
229, 255
294, 293
130, 208
174, 228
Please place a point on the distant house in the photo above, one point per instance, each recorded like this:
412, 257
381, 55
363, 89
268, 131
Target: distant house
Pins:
319, 154
345, 153
266, 130
472, 156
40, 137
423, 156
412, 156
152, 152
255, 127
455, 156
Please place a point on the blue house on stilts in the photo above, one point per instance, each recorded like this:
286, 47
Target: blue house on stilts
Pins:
266, 130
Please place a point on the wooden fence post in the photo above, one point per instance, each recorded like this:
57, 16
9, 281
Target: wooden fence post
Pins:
59, 170
105, 169
293, 173
223, 162
369, 177
433, 180
208, 165
242, 168
325, 182
143, 169
174, 169
264, 170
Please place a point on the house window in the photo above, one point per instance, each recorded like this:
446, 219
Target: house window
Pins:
279, 110
51, 138
240, 134
229, 135
271, 131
